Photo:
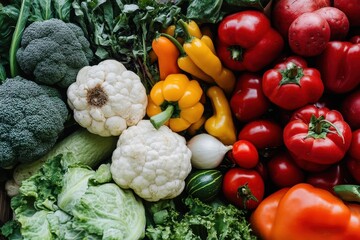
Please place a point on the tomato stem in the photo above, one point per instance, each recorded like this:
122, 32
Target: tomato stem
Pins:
320, 127
292, 74
244, 192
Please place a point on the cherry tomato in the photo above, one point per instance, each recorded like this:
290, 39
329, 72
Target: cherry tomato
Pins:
262, 133
353, 166
245, 154
243, 187
354, 150
283, 171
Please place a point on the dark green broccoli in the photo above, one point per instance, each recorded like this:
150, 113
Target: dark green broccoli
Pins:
52, 52
31, 118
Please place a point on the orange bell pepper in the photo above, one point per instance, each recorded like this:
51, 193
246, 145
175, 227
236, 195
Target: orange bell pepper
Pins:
305, 212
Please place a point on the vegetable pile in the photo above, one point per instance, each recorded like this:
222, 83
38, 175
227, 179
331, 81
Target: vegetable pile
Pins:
180, 119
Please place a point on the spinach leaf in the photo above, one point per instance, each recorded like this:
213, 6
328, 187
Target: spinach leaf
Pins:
258, 4
205, 11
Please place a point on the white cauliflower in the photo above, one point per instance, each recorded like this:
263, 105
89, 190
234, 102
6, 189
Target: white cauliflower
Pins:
107, 98
154, 163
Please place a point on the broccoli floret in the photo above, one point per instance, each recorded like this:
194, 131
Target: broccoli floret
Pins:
31, 118
52, 52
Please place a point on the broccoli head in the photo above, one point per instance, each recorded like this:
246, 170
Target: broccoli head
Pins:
31, 118
52, 52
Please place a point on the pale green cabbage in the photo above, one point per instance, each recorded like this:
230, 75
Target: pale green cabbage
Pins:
75, 202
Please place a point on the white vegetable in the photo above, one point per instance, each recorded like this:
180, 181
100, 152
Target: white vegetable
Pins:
154, 163
107, 98
207, 151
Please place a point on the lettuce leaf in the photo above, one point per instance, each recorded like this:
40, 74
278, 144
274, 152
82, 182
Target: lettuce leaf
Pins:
74, 202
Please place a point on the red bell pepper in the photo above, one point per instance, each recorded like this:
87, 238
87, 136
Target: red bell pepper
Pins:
246, 41
291, 84
318, 136
248, 101
339, 66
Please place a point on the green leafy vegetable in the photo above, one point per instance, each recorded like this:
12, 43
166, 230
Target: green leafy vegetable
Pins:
208, 11
258, 4
74, 202
215, 220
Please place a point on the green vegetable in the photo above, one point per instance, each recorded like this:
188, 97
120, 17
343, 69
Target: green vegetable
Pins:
53, 52
88, 149
31, 118
74, 202
205, 11
196, 220
204, 184
258, 4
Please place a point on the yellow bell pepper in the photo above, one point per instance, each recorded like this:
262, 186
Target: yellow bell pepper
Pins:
221, 124
204, 57
175, 102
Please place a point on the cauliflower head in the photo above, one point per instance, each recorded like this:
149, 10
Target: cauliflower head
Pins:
154, 163
53, 51
107, 98
31, 118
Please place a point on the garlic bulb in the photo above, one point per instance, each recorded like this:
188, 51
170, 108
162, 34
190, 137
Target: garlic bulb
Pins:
207, 151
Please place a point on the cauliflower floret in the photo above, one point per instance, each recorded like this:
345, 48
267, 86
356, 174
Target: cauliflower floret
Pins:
154, 163
107, 98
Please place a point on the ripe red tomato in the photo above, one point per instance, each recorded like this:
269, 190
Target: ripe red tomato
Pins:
350, 109
283, 171
243, 187
245, 154
262, 133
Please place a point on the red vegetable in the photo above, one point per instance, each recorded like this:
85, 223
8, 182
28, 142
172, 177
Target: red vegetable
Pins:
262, 133
283, 171
353, 166
248, 100
291, 84
337, 20
284, 12
354, 150
243, 187
246, 41
245, 154
339, 66
317, 135
309, 34
350, 109
351, 8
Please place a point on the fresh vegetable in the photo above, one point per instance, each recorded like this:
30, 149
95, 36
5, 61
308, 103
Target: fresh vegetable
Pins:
60, 202
318, 136
87, 149
248, 101
350, 109
262, 133
167, 56
351, 9
328, 178
204, 184
185, 63
53, 52
337, 20
107, 98
291, 84
216, 220
309, 34
29, 125
199, 50
354, 150
247, 41
348, 192
175, 101
283, 171
220, 124
153, 162
245, 154
207, 151
353, 167
244, 188
338, 65
284, 12
305, 212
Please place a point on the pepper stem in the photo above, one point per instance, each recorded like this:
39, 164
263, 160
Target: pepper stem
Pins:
244, 192
175, 42
291, 75
184, 27
236, 53
159, 119
320, 127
